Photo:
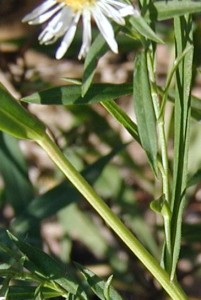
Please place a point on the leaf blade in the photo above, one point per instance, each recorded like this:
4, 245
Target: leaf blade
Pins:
144, 110
164, 10
72, 94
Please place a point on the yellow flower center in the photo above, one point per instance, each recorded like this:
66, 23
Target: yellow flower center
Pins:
77, 5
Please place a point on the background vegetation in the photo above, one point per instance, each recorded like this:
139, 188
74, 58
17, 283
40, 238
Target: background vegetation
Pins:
43, 211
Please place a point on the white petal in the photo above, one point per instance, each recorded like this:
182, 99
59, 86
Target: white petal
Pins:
129, 11
86, 34
116, 3
66, 19
63, 21
105, 28
44, 17
68, 38
111, 12
123, 8
39, 10
56, 27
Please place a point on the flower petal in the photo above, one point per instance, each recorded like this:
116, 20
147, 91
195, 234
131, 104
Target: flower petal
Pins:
105, 28
44, 17
86, 34
39, 10
63, 21
68, 38
111, 12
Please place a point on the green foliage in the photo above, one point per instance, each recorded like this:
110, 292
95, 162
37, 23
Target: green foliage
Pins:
14, 171
120, 176
102, 289
144, 110
15, 120
71, 94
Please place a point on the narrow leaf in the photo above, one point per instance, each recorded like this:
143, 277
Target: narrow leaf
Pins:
15, 120
139, 24
18, 188
97, 284
144, 110
71, 94
27, 292
122, 118
183, 35
97, 49
46, 265
163, 10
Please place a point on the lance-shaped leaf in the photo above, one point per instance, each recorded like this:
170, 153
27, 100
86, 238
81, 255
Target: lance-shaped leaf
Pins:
164, 10
144, 110
97, 49
184, 39
45, 266
22, 292
13, 169
144, 29
98, 286
16, 120
71, 94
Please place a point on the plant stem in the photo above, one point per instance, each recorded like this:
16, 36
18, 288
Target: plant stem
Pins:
163, 145
161, 127
172, 288
183, 28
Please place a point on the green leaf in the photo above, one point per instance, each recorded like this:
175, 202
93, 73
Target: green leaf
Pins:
195, 178
196, 108
144, 110
18, 188
116, 111
107, 288
157, 204
46, 266
184, 39
38, 294
163, 10
24, 292
4, 288
97, 285
97, 49
15, 120
161, 207
71, 94
140, 25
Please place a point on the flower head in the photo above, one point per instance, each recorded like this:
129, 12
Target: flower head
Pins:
63, 17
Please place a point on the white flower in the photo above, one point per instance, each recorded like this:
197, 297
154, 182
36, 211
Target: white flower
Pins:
64, 15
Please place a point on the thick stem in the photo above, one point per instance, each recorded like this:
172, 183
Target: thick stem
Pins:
172, 288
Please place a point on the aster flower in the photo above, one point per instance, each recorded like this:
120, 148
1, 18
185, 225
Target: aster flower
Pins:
63, 17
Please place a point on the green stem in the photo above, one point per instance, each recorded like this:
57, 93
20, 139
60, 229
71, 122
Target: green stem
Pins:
183, 28
172, 288
164, 155
161, 127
